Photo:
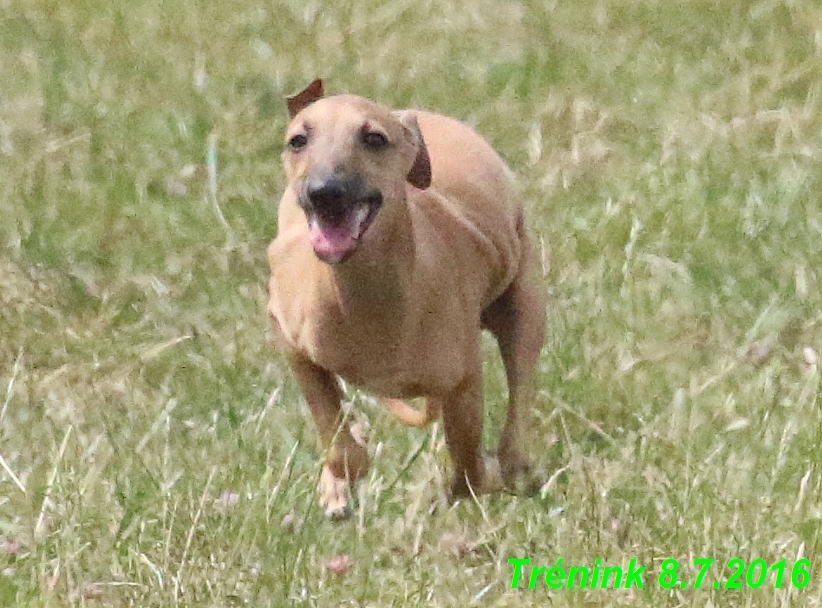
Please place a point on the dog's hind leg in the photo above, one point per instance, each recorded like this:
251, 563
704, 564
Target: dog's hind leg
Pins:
408, 415
517, 320
346, 460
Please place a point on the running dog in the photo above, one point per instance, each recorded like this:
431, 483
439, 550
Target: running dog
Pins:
397, 244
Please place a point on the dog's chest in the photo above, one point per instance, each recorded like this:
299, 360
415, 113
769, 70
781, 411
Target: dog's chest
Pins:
375, 338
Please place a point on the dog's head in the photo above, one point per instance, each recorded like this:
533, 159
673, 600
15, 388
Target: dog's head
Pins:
349, 161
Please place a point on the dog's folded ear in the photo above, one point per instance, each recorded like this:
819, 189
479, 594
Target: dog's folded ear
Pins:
298, 101
420, 174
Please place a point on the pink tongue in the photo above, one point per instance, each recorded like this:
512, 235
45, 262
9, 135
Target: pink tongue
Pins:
330, 242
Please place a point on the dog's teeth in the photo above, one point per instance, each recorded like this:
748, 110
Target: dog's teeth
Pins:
360, 215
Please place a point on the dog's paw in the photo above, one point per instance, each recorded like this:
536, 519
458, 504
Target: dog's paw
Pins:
490, 480
334, 495
518, 474
507, 474
493, 478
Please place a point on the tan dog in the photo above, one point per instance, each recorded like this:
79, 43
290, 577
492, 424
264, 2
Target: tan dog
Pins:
397, 244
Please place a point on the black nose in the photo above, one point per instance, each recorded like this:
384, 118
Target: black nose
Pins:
327, 195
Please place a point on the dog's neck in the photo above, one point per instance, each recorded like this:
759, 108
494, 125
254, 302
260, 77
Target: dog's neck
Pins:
377, 278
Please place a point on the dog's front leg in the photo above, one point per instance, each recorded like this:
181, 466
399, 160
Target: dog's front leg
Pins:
346, 460
462, 418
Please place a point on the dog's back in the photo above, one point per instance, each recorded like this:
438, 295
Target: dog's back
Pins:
475, 185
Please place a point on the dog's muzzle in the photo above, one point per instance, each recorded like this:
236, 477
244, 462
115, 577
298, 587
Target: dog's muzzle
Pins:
339, 211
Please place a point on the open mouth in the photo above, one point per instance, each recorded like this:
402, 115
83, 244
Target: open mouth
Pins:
336, 235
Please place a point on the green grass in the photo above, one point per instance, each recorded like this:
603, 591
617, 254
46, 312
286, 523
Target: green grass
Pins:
157, 452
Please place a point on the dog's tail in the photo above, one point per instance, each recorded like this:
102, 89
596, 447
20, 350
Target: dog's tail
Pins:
409, 415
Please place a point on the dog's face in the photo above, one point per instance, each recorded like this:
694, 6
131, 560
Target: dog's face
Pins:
348, 161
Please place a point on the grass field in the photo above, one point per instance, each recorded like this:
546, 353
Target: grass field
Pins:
155, 451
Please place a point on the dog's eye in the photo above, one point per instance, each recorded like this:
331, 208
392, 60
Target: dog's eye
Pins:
374, 140
298, 142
